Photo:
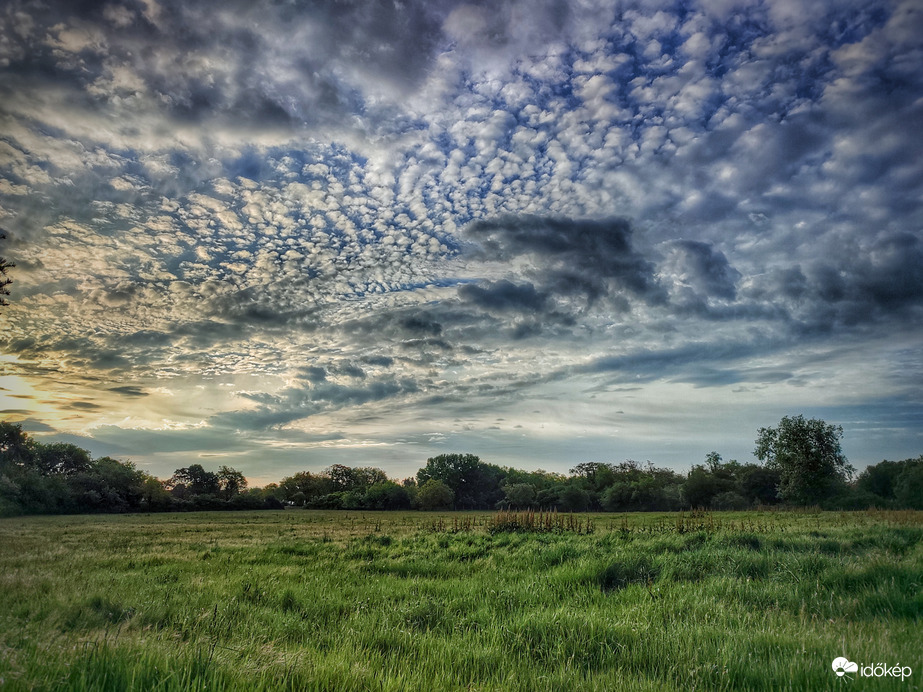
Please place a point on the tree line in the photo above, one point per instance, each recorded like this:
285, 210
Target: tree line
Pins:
801, 464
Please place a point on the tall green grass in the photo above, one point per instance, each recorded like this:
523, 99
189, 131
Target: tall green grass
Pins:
333, 601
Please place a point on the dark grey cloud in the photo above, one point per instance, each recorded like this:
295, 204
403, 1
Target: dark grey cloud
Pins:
863, 282
504, 296
381, 361
84, 405
701, 268
35, 426
348, 369
515, 310
296, 403
129, 390
429, 345
390, 334
271, 65
205, 333
696, 362
15, 412
314, 374
419, 325
126, 442
571, 257
891, 274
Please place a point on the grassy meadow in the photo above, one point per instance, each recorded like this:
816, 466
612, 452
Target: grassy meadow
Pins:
312, 600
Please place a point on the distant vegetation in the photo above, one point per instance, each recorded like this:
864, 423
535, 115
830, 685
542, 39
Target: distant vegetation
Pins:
803, 465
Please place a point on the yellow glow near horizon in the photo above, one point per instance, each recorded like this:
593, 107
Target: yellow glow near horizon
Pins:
19, 396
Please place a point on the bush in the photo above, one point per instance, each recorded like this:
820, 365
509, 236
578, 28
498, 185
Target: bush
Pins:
273, 502
519, 495
854, 499
730, 501
910, 485
434, 495
329, 501
574, 499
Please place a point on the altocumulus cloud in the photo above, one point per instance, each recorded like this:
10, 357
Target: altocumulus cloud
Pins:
287, 232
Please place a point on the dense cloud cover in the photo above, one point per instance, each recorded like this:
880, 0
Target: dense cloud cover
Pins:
545, 232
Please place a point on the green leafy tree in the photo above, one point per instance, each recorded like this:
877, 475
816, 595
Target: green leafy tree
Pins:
596, 475
455, 470
702, 486
367, 476
706, 482
885, 479
386, 495
574, 499
476, 485
108, 485
520, 495
714, 463
909, 491
305, 487
154, 496
808, 457
347, 479
758, 484
341, 477
434, 494
729, 500
636, 488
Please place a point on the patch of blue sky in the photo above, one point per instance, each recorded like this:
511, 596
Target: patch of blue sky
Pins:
852, 26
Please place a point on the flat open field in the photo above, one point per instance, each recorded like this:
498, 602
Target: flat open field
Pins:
411, 601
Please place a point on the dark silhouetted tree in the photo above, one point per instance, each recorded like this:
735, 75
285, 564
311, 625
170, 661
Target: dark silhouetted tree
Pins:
367, 476
195, 480
637, 488
108, 485
701, 487
231, 482
154, 496
5, 280
305, 487
61, 458
342, 477
17, 449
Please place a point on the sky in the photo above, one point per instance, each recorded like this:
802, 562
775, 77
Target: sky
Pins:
279, 235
